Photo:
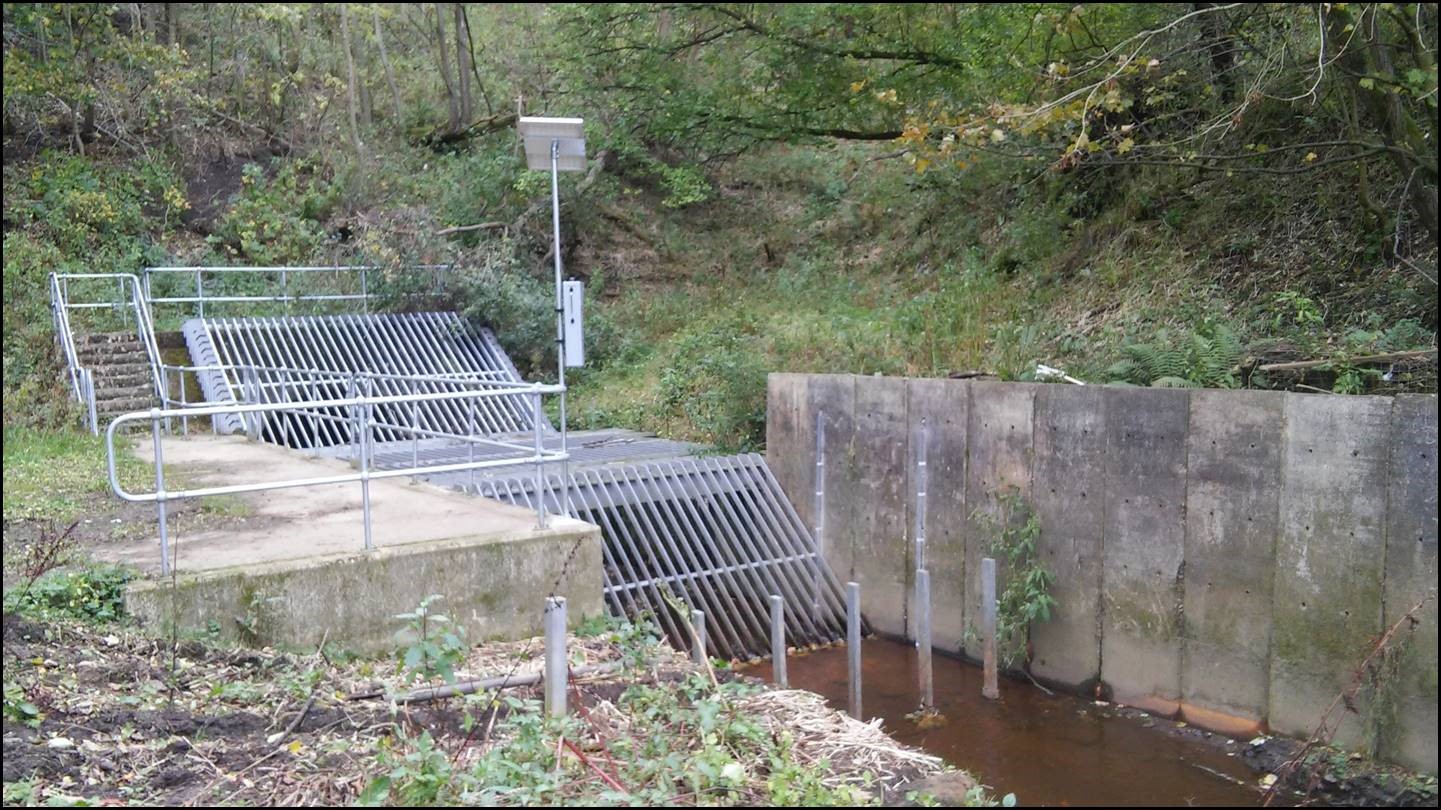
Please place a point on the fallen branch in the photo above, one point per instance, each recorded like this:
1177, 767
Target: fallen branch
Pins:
1323, 733
479, 226
483, 684
1369, 358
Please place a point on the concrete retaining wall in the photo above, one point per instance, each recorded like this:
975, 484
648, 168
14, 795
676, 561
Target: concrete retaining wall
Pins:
1224, 556
494, 587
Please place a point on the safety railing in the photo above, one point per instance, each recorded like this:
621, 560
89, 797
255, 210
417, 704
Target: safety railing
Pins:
436, 420
359, 281
129, 302
359, 415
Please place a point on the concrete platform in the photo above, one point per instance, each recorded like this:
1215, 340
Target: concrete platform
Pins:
289, 567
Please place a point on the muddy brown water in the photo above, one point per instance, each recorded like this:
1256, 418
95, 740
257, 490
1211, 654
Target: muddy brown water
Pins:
1048, 750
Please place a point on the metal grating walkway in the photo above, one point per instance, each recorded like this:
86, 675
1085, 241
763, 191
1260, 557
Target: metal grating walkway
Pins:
710, 533
310, 358
714, 533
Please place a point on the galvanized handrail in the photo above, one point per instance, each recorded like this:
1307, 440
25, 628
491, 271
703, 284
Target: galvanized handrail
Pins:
82, 380
361, 407
199, 298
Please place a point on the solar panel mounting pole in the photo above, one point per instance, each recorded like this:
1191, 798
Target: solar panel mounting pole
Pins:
557, 144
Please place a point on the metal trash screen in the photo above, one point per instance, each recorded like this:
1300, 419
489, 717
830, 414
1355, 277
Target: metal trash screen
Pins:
712, 533
312, 358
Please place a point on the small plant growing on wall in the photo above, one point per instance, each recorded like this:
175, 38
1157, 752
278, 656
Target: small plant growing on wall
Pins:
1025, 595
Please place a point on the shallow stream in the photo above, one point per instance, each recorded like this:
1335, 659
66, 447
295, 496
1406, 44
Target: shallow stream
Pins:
1047, 749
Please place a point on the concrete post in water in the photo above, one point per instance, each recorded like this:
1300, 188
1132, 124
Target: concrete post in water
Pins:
923, 639
697, 651
778, 641
990, 689
555, 663
853, 645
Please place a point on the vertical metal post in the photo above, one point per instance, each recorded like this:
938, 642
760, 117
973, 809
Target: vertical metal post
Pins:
989, 687
199, 295
184, 403
365, 465
414, 427
364, 291
697, 650
540, 521
556, 668
923, 639
89, 378
853, 645
922, 434
778, 641
559, 319
160, 492
470, 439
819, 518
284, 292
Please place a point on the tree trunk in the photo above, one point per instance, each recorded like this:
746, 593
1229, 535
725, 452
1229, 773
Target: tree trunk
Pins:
462, 63
453, 122
350, 83
385, 61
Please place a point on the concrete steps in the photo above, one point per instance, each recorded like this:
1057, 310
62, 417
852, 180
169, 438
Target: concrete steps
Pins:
121, 369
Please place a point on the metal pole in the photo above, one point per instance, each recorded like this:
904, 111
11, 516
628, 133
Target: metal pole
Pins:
989, 687
921, 476
184, 400
778, 641
539, 470
160, 492
923, 639
199, 295
555, 656
853, 645
697, 650
819, 519
365, 465
470, 443
559, 316
414, 428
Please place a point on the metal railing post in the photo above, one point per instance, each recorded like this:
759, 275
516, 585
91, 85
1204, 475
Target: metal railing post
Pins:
470, 440
923, 639
160, 492
365, 464
539, 468
414, 427
853, 646
819, 518
199, 295
556, 667
989, 687
184, 402
697, 650
922, 435
778, 641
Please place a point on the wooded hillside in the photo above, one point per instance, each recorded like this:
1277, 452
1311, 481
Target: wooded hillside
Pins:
1149, 194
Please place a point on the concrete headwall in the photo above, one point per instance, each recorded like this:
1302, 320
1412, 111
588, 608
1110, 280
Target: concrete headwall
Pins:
1227, 556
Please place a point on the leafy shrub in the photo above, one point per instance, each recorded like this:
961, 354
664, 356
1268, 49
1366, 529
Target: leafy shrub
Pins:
277, 219
434, 645
717, 380
94, 593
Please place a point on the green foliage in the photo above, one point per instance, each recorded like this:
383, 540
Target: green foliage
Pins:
19, 709
1205, 358
279, 217
1025, 596
93, 593
690, 738
716, 380
433, 645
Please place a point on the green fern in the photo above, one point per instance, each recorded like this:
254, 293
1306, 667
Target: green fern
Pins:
1205, 358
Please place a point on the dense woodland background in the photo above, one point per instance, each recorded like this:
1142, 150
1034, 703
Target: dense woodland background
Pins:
1150, 194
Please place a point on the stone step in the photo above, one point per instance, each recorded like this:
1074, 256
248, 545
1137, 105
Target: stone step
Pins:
107, 352
124, 405
112, 375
